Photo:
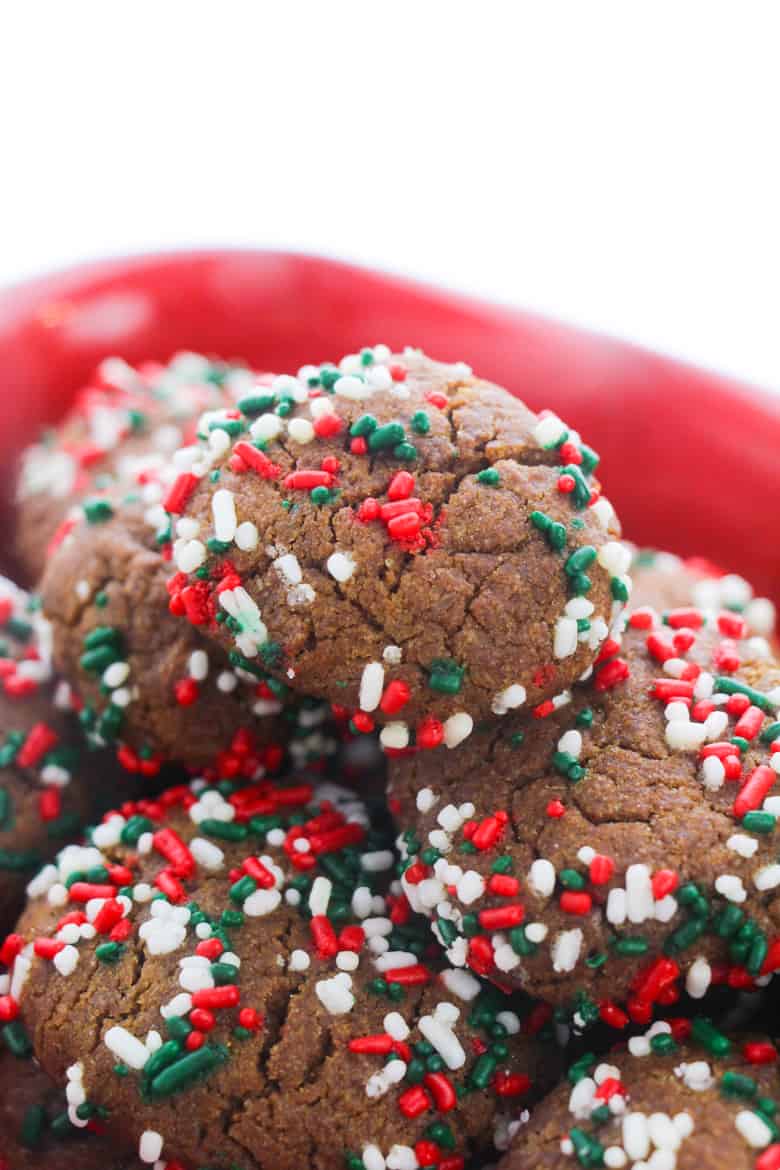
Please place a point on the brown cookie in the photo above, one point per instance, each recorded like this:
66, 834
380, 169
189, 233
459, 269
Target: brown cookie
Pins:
227, 978
51, 783
400, 538
683, 1098
620, 848
665, 581
153, 684
120, 429
35, 1129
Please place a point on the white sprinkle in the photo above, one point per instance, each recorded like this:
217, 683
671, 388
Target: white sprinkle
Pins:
115, 674
566, 949
549, 431
189, 555
66, 960
696, 1075
461, 983
319, 896
753, 1129
335, 994
508, 699
126, 1047
730, 886
261, 902
639, 894
207, 854
392, 655
426, 799
457, 728
713, 773
541, 877
266, 426
246, 536
394, 735
198, 665
768, 877
636, 1136
371, 685
351, 387
300, 430
443, 1039
378, 861
299, 961
223, 511
150, 1146
684, 736
698, 979
341, 566
470, 887
566, 637
373, 1159
395, 1025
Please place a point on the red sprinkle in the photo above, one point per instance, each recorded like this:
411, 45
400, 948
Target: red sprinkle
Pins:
305, 480
180, 492
755, 788
257, 460
40, 739
414, 1101
396, 695
576, 902
225, 996
441, 1089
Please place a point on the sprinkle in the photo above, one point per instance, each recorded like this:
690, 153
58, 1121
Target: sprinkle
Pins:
371, 686
150, 1146
457, 728
335, 994
126, 1047
341, 566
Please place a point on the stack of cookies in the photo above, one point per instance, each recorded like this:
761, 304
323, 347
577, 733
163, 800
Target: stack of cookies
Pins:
357, 810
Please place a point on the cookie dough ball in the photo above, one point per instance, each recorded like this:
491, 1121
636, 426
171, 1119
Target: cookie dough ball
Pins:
620, 849
51, 784
35, 1129
123, 425
400, 538
685, 1097
151, 683
227, 977
665, 581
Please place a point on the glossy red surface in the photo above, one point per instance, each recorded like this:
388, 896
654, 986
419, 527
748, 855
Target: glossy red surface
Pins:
691, 459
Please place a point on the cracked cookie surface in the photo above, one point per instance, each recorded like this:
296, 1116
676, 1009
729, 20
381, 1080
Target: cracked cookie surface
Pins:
400, 538
225, 976
621, 848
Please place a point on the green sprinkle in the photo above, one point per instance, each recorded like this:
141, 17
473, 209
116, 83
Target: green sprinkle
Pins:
585, 718
97, 511
364, 426
192, 1067
224, 830
389, 435
421, 422
630, 946
446, 676
32, 1126
489, 477
709, 1037
579, 560
770, 733
731, 686
734, 1084
758, 822
255, 404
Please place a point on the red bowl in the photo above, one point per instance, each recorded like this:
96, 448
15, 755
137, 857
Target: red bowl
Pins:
689, 458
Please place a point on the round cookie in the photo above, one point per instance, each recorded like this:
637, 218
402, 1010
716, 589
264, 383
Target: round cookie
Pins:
35, 1129
400, 538
150, 683
50, 783
665, 581
125, 423
223, 974
621, 848
680, 1097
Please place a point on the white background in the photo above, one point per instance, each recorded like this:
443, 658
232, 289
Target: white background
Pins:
615, 164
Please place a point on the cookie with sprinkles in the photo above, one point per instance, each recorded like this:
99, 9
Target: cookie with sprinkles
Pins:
666, 581
35, 1129
228, 977
624, 846
401, 538
153, 686
50, 783
683, 1096
124, 424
